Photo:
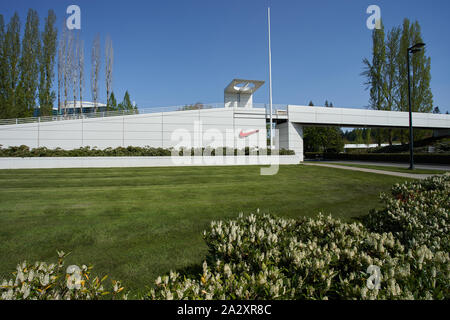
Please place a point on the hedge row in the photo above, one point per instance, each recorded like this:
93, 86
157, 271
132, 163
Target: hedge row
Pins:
437, 158
24, 151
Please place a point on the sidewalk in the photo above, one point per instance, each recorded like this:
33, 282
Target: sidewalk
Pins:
389, 173
442, 167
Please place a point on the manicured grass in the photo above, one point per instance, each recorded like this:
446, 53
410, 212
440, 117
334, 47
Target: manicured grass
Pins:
137, 223
390, 168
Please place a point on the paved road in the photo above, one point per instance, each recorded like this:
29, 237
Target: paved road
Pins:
389, 164
389, 173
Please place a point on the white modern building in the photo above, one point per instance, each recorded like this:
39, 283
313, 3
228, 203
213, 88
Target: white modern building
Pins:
236, 123
78, 107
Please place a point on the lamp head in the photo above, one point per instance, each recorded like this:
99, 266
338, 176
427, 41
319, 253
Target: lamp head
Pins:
417, 47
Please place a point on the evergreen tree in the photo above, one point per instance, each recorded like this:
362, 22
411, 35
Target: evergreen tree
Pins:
367, 134
126, 103
12, 57
359, 136
29, 66
46, 64
112, 102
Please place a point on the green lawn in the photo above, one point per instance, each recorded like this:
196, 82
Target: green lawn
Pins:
137, 223
390, 168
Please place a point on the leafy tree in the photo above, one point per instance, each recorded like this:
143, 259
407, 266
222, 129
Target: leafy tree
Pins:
47, 64
196, 106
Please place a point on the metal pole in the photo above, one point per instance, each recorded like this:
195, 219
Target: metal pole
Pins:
411, 142
270, 79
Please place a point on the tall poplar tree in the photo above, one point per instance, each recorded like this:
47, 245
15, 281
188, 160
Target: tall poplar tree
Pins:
421, 96
109, 61
47, 65
391, 75
3, 69
374, 72
420, 67
95, 69
12, 58
29, 66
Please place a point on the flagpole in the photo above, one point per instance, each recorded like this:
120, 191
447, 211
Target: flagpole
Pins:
270, 80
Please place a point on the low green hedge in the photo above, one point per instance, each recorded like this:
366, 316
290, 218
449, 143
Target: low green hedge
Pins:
313, 155
437, 158
24, 151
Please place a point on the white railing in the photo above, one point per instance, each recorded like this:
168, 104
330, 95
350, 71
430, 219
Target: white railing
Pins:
278, 109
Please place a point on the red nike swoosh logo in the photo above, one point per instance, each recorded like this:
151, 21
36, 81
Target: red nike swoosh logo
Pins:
243, 134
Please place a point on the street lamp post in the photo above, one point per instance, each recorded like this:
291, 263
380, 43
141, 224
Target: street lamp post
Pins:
415, 48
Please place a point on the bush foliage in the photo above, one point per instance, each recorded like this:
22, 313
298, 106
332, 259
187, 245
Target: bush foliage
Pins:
260, 256
441, 158
24, 151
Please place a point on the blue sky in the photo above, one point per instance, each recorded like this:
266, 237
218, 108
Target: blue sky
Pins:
177, 52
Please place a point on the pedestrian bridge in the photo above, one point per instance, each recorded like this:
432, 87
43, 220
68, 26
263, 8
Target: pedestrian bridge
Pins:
291, 122
349, 117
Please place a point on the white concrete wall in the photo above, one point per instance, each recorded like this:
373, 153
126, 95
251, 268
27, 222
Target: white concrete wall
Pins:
242, 100
111, 162
192, 128
290, 137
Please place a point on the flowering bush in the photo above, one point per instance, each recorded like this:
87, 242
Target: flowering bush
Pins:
42, 281
417, 213
263, 257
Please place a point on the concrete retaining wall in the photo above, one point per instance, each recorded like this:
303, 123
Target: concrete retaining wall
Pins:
111, 162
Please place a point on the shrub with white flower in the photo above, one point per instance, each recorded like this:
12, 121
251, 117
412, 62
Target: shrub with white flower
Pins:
417, 213
42, 281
